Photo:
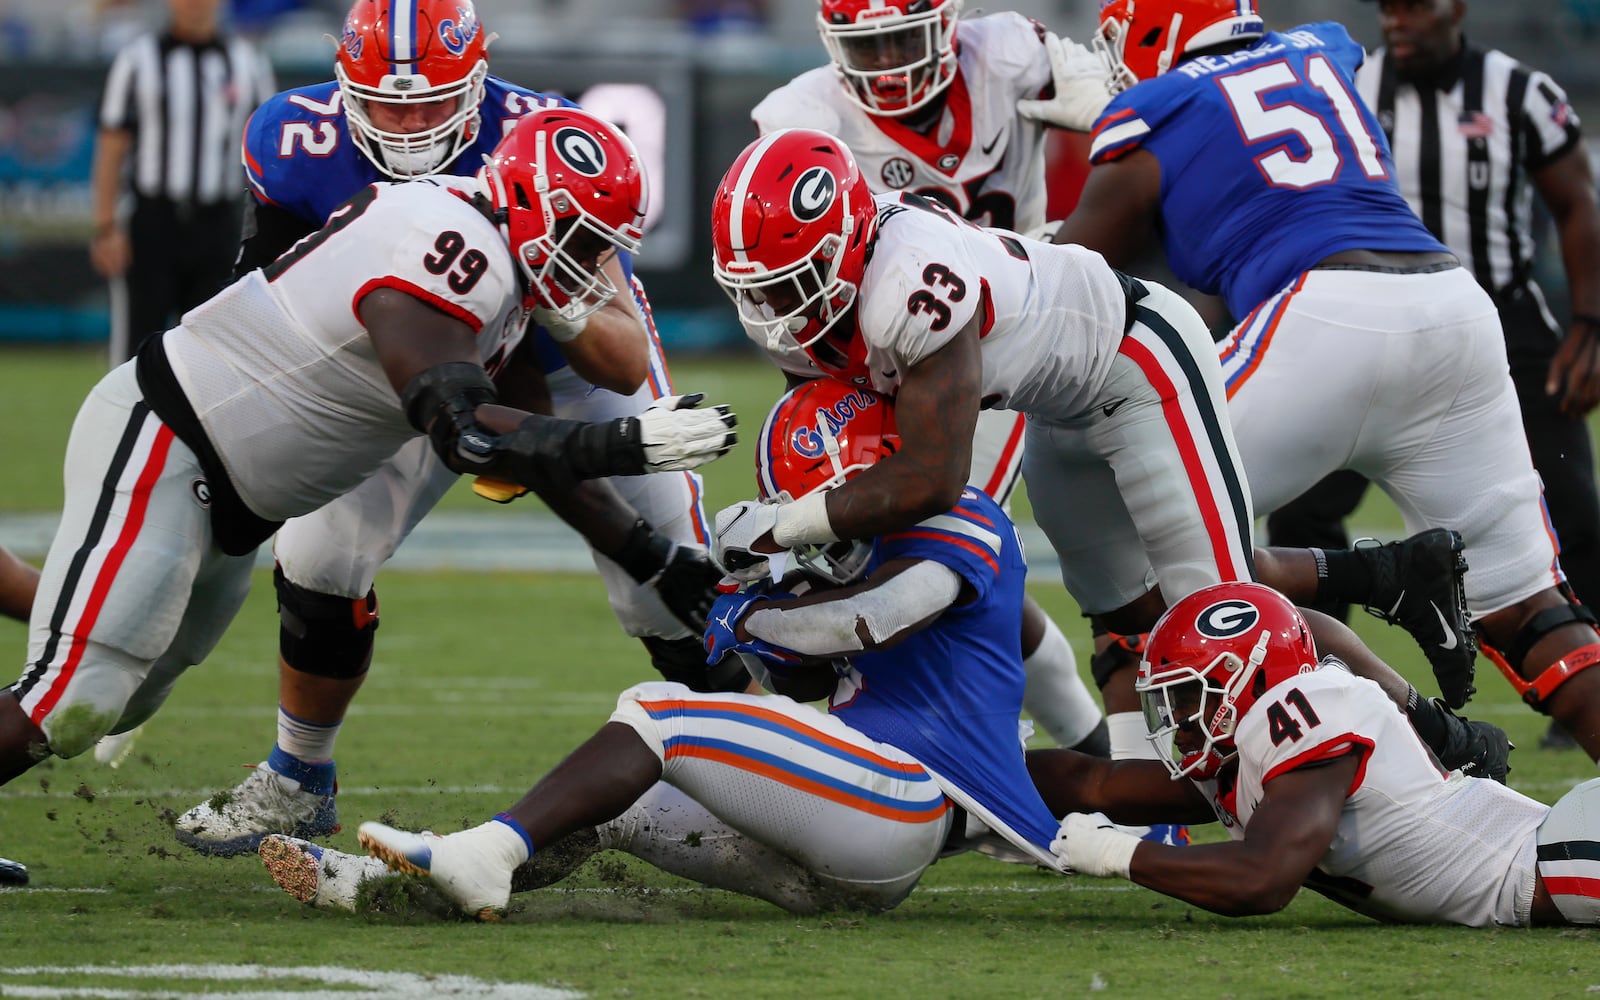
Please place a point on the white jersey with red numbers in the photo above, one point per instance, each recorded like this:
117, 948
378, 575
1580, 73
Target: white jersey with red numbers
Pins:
980, 157
1413, 843
279, 368
1050, 317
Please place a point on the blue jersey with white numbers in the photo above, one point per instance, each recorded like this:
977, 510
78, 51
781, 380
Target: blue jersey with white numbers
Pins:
950, 694
1269, 163
298, 156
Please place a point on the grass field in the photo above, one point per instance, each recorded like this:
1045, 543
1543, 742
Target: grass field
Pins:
484, 681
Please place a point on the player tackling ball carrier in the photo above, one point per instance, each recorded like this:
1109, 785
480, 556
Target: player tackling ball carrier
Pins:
288, 389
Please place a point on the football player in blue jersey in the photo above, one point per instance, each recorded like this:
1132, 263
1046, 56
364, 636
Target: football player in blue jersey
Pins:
413, 97
918, 755
1361, 341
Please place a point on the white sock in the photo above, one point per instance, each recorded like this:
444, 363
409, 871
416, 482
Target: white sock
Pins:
1130, 739
306, 741
1056, 696
499, 840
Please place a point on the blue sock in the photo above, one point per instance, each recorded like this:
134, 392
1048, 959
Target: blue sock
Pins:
317, 779
508, 821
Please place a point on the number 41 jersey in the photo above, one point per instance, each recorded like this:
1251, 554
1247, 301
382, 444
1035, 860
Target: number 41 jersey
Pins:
1412, 843
1269, 163
279, 368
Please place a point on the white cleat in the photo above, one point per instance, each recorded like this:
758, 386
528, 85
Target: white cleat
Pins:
467, 873
113, 750
319, 876
234, 822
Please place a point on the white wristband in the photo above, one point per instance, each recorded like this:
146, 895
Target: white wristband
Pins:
804, 522
561, 329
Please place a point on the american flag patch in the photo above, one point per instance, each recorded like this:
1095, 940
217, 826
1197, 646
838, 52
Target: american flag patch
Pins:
1476, 125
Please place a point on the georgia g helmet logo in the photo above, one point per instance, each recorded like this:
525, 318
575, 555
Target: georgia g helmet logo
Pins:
813, 193
580, 151
1226, 619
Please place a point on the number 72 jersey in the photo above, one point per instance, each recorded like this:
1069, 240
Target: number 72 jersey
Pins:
1269, 163
1412, 843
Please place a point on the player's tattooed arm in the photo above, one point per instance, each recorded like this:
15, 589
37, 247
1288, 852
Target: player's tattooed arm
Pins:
1287, 835
609, 348
1117, 212
937, 411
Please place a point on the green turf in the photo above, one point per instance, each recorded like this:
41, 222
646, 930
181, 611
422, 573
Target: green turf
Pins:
484, 681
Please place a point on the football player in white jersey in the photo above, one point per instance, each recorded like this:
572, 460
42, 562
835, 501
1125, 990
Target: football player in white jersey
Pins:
1319, 782
926, 114
292, 386
1128, 435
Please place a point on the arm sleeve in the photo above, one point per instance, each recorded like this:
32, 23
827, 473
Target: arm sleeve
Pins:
1551, 125
830, 628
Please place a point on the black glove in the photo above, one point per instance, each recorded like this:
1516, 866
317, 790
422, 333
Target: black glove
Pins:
684, 576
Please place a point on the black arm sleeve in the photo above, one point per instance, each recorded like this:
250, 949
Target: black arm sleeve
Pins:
268, 231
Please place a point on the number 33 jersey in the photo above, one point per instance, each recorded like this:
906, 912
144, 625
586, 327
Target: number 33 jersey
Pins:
1269, 163
279, 368
1412, 844
1049, 317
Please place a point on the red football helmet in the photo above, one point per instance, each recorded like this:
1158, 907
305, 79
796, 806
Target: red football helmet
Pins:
817, 436
417, 66
1141, 39
893, 56
790, 226
1207, 661
569, 191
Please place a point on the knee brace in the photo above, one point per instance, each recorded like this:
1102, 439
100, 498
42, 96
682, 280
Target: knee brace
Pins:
324, 635
1576, 661
684, 660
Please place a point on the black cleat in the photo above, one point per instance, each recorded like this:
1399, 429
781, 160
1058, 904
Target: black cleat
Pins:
1477, 749
1417, 584
13, 873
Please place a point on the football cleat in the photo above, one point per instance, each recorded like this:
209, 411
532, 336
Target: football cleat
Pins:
1417, 584
319, 876
13, 872
469, 876
235, 822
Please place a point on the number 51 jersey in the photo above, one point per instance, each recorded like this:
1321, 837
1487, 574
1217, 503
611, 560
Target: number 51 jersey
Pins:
1269, 163
279, 368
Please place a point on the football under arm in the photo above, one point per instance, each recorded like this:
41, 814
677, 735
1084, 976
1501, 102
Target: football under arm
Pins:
1117, 211
902, 597
1287, 835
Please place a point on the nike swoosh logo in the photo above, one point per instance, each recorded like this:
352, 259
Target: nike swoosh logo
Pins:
1113, 406
992, 142
1450, 640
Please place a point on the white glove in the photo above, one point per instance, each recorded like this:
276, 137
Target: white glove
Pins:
1091, 845
676, 436
1082, 85
560, 329
738, 528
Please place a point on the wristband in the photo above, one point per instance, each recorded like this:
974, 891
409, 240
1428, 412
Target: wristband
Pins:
561, 329
804, 522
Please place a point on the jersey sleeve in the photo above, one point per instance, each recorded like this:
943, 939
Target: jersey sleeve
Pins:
923, 290
970, 540
1551, 123
1122, 128
797, 105
117, 102
442, 258
1013, 49
1312, 719
1346, 52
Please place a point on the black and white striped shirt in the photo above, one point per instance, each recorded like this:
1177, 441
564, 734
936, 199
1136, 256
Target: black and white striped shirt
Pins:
1465, 148
186, 105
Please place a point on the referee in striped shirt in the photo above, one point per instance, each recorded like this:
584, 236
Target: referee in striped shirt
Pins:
1474, 133
166, 179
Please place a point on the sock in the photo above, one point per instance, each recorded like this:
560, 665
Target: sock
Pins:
1056, 696
1342, 577
311, 742
1130, 739
527, 841
316, 778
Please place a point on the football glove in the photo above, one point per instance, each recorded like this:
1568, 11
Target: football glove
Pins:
1092, 845
738, 528
675, 436
560, 329
1082, 87
722, 629
683, 576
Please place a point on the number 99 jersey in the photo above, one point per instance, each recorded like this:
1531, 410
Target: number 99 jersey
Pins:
1269, 163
